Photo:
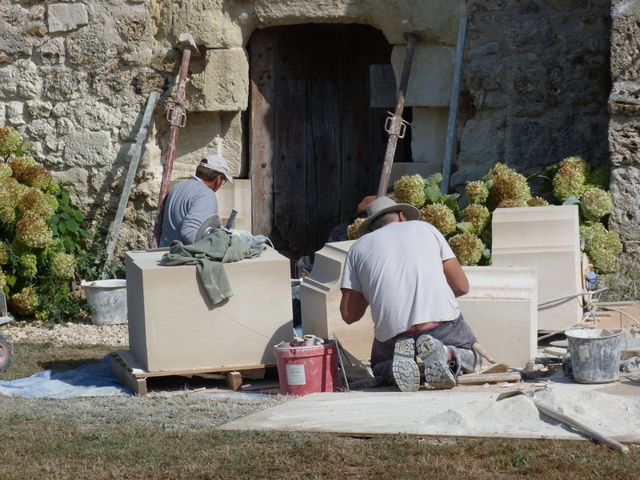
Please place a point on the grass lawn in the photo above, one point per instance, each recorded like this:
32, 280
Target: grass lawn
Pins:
175, 437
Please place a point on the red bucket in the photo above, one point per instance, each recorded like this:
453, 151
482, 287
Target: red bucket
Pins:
304, 370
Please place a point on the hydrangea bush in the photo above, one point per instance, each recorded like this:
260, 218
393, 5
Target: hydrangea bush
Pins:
468, 229
42, 246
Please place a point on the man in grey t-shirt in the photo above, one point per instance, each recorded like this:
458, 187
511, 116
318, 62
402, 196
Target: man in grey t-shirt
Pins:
192, 201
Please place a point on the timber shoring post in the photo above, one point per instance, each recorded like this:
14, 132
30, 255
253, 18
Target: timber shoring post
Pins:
177, 119
453, 107
136, 153
396, 122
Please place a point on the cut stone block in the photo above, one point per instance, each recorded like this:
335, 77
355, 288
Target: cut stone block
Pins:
548, 239
64, 17
431, 74
173, 326
320, 297
501, 309
223, 86
236, 195
428, 147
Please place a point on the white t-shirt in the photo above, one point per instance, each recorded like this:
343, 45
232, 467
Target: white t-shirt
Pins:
398, 268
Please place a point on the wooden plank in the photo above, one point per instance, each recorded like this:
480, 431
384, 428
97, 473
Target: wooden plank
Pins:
262, 131
234, 380
482, 378
123, 373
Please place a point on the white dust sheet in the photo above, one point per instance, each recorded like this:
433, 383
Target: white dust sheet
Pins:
454, 413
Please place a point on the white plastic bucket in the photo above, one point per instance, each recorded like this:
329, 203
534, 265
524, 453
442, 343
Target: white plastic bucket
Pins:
108, 298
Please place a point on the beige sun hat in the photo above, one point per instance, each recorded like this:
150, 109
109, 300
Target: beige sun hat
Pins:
382, 205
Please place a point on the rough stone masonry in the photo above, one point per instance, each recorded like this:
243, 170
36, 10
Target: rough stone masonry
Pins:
542, 80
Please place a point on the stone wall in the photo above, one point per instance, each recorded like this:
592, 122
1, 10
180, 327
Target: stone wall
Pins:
624, 131
75, 76
536, 81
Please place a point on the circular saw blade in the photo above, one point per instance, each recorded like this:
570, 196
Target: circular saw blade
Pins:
207, 226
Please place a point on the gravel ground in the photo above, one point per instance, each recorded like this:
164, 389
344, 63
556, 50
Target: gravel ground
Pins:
71, 333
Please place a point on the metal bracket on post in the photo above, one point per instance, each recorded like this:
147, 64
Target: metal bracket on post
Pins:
391, 121
176, 116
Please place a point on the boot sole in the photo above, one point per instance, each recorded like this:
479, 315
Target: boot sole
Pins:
404, 368
436, 369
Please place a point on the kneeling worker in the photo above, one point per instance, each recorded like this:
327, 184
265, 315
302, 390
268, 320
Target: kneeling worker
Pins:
192, 201
405, 270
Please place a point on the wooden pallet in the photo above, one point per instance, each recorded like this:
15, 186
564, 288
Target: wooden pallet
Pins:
128, 370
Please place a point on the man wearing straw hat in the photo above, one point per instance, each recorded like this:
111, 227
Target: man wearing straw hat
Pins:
405, 270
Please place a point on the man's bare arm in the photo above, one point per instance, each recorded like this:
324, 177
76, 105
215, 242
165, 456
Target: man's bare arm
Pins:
352, 306
456, 277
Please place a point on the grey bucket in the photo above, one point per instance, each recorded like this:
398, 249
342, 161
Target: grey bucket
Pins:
108, 298
595, 354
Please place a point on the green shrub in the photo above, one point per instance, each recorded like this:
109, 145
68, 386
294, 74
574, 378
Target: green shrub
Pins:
44, 251
571, 182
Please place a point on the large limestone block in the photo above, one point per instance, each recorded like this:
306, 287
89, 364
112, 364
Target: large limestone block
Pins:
292, 12
501, 309
433, 20
320, 302
548, 239
173, 326
431, 74
236, 195
223, 85
428, 147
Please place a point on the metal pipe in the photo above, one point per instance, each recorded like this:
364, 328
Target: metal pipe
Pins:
453, 108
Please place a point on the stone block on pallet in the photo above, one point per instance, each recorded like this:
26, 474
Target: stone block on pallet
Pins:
548, 239
501, 309
173, 326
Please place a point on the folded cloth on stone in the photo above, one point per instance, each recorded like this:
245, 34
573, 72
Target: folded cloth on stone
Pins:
208, 255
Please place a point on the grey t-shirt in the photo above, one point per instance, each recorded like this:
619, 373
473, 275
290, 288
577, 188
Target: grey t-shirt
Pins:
188, 204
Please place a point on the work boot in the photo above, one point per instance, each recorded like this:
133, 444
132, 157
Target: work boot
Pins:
404, 367
436, 368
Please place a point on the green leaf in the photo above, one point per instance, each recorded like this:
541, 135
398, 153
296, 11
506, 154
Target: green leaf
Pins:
11, 280
62, 228
432, 192
433, 179
465, 227
572, 200
84, 233
77, 214
486, 253
72, 225
451, 201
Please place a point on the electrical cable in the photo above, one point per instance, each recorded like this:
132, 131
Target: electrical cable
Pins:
582, 294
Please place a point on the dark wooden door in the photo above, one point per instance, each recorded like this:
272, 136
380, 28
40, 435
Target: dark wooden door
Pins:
316, 146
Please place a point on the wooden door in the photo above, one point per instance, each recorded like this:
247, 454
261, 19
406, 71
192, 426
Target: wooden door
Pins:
316, 146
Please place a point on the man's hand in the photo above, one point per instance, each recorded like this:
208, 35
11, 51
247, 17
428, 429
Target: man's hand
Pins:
352, 306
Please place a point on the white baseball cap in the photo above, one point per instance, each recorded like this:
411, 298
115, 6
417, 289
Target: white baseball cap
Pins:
217, 163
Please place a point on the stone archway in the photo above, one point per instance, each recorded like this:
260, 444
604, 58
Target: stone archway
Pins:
316, 146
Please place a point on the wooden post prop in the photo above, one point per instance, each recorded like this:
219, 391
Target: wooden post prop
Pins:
177, 119
396, 126
136, 153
